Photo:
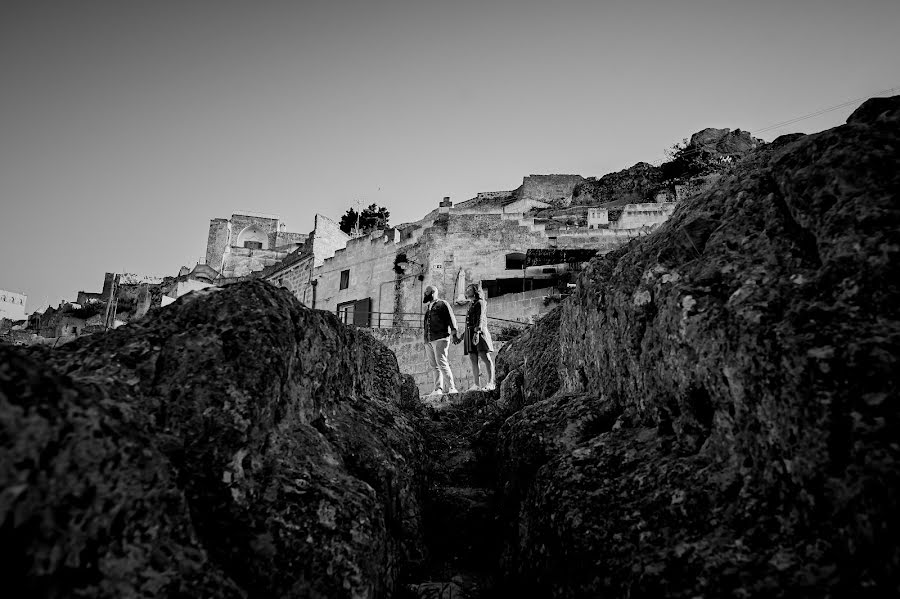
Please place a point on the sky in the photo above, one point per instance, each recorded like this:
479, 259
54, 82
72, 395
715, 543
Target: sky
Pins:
126, 126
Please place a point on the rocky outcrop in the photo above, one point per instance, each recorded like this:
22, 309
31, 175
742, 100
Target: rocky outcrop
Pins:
724, 142
726, 419
709, 151
633, 185
234, 444
528, 368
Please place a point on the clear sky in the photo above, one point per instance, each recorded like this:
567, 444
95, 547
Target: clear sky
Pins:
126, 126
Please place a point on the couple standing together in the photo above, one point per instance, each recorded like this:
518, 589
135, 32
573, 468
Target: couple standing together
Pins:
440, 328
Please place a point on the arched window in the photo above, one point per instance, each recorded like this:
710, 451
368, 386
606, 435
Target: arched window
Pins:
515, 261
254, 238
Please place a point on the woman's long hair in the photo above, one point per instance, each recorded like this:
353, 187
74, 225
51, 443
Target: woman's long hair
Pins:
475, 291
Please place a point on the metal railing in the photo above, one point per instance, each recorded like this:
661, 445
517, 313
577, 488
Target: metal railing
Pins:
411, 320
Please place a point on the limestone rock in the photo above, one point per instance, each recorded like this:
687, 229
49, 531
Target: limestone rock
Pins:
534, 353
727, 419
233, 444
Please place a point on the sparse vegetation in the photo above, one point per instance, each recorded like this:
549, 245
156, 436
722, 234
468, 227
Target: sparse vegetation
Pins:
370, 219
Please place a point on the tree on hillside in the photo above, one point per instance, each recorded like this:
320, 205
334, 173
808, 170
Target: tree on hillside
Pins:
371, 218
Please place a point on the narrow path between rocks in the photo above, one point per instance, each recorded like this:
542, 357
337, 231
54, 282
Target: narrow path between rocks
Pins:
460, 520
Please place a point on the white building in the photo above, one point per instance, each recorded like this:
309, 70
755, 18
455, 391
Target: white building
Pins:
12, 305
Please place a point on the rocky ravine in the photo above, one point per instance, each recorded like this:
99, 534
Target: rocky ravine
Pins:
713, 413
728, 418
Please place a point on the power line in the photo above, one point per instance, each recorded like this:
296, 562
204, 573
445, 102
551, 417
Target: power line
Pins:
825, 110
793, 120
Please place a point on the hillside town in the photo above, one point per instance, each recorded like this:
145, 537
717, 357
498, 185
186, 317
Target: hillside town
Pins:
522, 247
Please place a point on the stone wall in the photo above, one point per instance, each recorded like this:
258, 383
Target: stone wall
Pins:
492, 195
522, 205
327, 238
240, 262
408, 345
638, 215
296, 278
521, 307
12, 305
241, 222
283, 238
603, 240
186, 286
225, 252
553, 189
217, 242
477, 245
370, 262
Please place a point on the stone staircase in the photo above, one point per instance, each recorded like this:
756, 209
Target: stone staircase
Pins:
458, 512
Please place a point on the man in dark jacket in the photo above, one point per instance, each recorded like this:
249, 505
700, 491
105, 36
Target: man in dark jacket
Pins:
440, 323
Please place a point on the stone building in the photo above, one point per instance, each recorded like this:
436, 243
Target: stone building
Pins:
245, 243
12, 305
376, 280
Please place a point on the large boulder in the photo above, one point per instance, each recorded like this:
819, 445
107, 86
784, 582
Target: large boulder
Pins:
233, 444
727, 420
724, 142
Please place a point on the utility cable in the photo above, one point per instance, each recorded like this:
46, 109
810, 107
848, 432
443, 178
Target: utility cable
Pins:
792, 120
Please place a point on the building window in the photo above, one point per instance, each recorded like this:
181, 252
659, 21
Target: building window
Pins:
253, 245
345, 312
357, 312
345, 278
515, 261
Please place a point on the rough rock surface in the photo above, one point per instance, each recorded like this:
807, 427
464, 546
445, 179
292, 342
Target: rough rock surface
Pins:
635, 184
234, 444
709, 151
533, 358
723, 142
728, 418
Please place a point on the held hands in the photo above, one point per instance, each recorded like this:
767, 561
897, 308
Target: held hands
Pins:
456, 338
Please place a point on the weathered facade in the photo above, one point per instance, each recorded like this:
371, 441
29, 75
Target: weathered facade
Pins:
376, 280
12, 305
246, 243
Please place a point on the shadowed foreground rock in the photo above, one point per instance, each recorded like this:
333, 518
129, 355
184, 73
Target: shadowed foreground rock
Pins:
233, 444
728, 423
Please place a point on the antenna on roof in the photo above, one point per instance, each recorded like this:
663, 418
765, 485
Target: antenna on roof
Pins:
356, 232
